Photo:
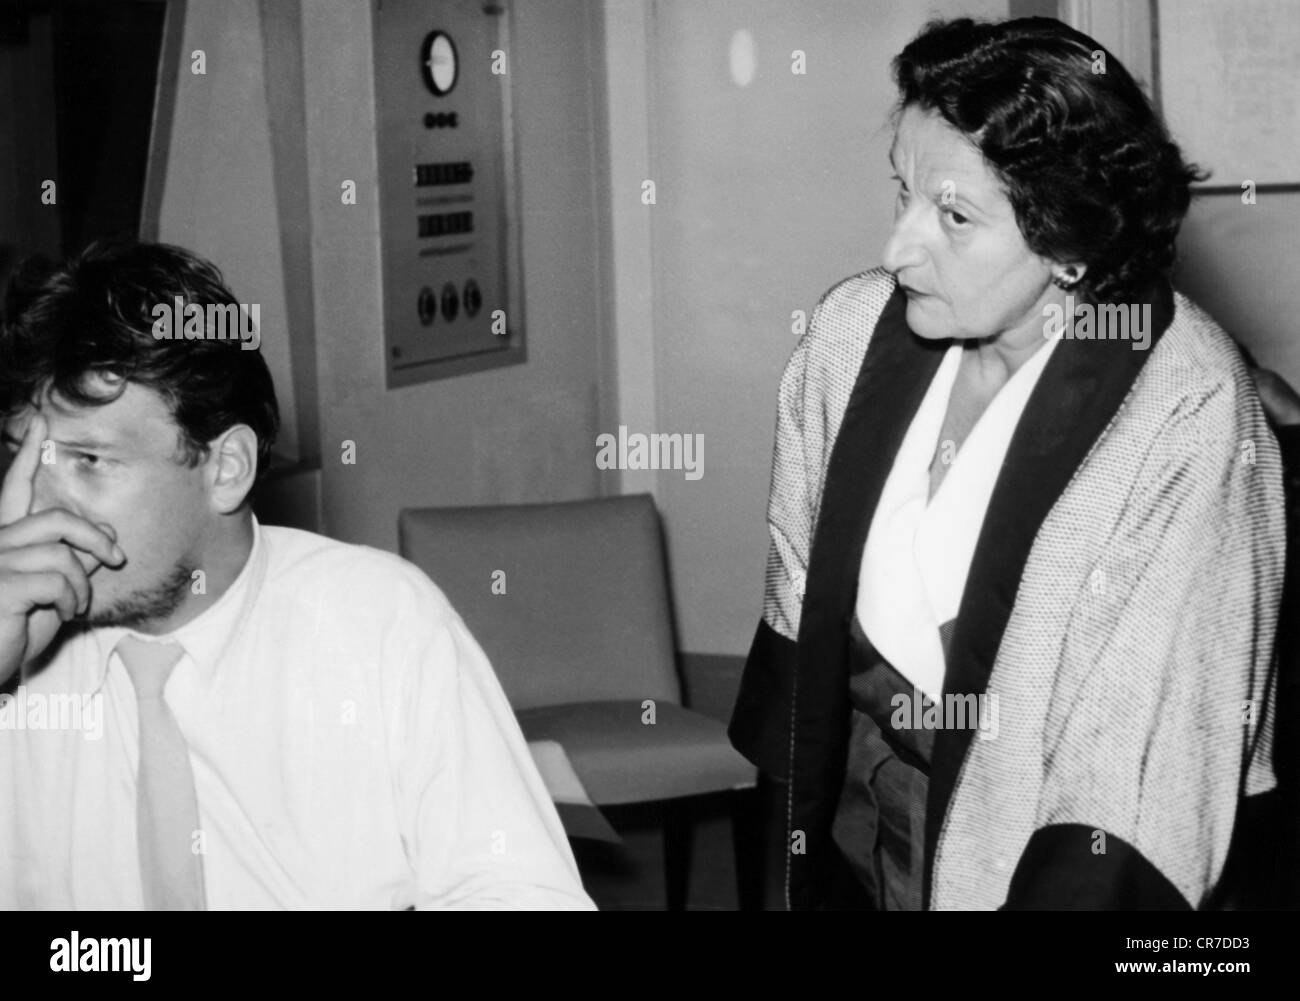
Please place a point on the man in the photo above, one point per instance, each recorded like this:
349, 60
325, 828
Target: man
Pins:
206, 712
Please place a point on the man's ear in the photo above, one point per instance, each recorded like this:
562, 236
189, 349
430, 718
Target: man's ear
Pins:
232, 467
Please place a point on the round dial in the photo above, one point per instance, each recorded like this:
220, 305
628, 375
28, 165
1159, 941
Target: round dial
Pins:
438, 62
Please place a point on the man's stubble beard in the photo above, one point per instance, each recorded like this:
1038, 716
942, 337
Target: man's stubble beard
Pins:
147, 604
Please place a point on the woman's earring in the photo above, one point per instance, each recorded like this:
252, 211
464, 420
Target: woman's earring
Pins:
1061, 282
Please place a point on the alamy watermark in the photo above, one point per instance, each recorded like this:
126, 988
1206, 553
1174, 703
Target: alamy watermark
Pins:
651, 451
1106, 321
952, 712
218, 321
76, 954
61, 711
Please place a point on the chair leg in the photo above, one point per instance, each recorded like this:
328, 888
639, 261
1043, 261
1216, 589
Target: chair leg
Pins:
677, 852
749, 843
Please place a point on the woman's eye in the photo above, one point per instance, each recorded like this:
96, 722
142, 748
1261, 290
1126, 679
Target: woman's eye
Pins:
87, 460
956, 218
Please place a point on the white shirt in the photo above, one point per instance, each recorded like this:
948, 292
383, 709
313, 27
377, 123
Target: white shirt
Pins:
919, 549
350, 744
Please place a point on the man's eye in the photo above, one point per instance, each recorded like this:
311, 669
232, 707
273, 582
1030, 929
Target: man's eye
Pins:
87, 460
956, 218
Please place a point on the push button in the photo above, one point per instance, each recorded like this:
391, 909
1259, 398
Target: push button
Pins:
450, 301
427, 305
473, 298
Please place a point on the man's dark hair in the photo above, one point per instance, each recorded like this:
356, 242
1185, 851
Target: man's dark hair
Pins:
1087, 164
94, 316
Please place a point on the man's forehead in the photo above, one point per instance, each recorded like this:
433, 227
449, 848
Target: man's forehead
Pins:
137, 416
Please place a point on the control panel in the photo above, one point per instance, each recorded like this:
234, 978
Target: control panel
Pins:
449, 237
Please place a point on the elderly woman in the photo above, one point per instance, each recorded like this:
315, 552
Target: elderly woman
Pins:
1024, 573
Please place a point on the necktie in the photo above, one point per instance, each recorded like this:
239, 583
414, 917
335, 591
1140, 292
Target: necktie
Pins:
167, 808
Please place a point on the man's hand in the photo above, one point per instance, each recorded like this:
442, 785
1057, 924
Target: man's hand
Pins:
45, 560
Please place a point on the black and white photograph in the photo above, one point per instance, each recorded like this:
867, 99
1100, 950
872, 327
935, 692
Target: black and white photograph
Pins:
651, 455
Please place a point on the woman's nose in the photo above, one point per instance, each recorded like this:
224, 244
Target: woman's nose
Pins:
903, 249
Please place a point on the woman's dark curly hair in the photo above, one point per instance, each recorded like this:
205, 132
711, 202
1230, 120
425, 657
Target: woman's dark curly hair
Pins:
1087, 164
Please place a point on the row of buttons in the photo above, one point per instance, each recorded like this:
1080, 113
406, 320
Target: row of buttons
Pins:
427, 304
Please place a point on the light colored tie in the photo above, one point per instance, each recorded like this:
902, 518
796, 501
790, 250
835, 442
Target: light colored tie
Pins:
167, 808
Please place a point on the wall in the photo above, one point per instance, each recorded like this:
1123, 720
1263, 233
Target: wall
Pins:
28, 148
234, 191
1236, 260
1239, 262
219, 196
766, 196
516, 434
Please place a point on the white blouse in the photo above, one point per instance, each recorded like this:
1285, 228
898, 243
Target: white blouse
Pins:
918, 551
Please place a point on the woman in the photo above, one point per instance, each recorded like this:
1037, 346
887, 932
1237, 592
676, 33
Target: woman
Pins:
1024, 577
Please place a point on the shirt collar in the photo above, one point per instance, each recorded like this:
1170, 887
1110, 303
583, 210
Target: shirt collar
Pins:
207, 636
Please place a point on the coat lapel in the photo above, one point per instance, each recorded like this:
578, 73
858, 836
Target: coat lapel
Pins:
1079, 391
895, 374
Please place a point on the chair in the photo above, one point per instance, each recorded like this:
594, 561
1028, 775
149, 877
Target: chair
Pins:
580, 635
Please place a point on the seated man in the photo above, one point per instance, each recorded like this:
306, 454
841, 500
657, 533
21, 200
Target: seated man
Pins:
204, 711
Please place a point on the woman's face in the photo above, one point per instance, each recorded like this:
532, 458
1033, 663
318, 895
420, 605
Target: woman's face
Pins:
955, 247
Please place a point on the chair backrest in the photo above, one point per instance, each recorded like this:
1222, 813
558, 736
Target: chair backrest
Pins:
585, 611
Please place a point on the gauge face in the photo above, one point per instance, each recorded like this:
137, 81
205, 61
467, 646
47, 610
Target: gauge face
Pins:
438, 62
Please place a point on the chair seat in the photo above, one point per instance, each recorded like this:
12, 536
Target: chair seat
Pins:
622, 760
